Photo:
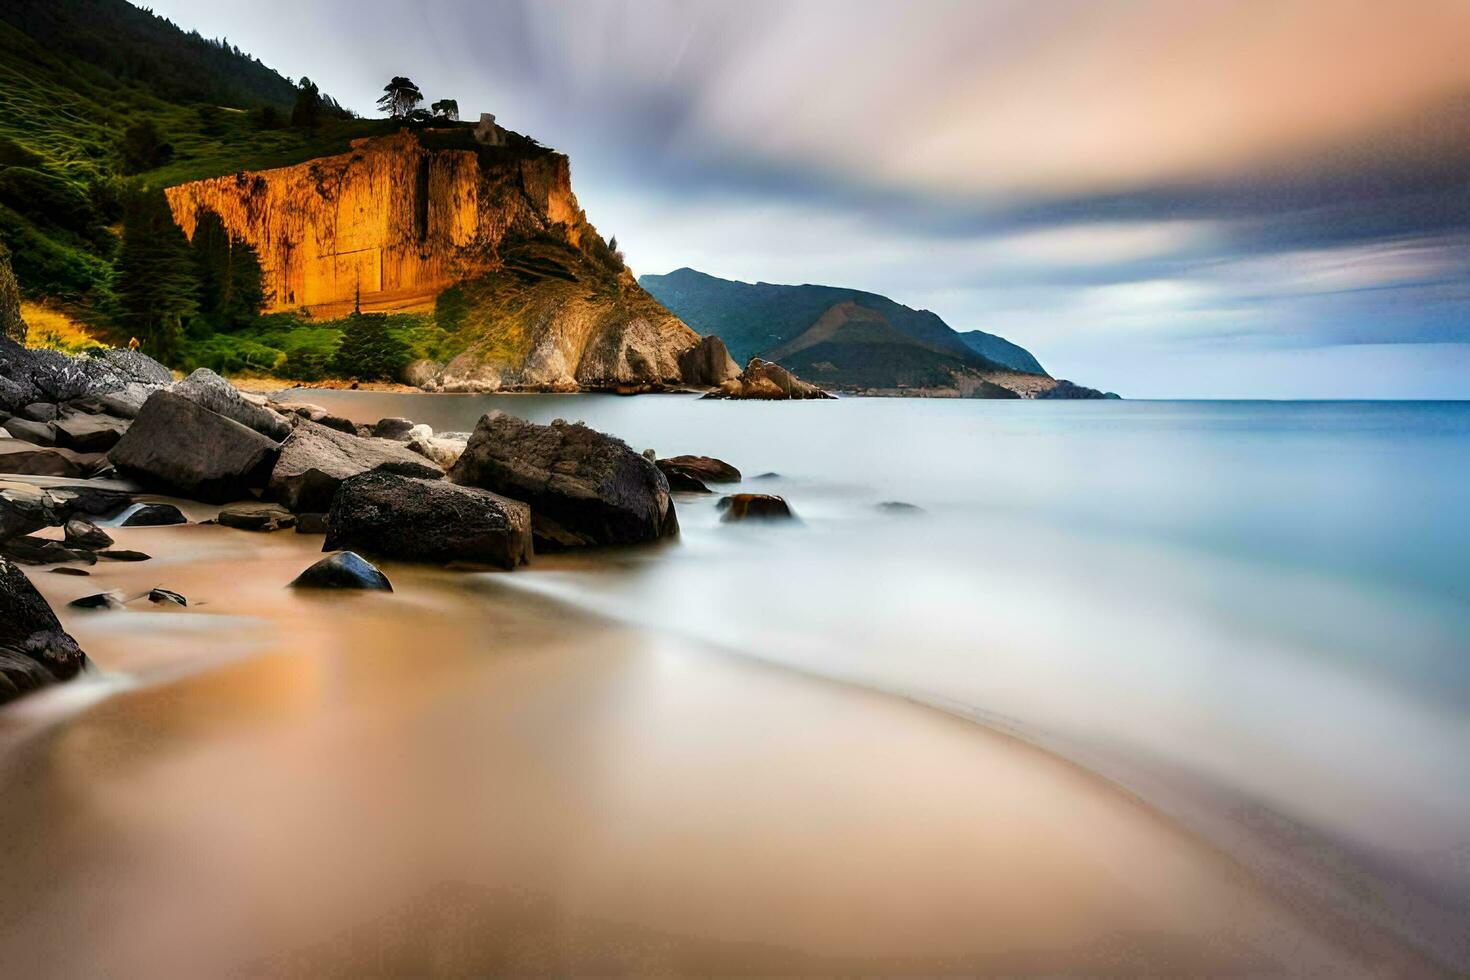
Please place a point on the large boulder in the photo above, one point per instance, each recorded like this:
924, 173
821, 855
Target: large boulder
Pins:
708, 363
34, 649
28, 376
584, 487
209, 390
184, 447
754, 506
315, 460
706, 469
396, 516
767, 381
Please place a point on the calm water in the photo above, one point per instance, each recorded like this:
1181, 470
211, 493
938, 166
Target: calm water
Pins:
1256, 616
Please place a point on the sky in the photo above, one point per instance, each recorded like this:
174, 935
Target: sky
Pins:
1218, 198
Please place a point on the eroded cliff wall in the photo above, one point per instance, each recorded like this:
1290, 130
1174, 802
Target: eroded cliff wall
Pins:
391, 220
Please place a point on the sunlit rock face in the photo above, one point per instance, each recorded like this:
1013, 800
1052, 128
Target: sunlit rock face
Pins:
541, 303
391, 220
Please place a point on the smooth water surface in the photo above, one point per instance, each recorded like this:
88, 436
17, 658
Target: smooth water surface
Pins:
1255, 615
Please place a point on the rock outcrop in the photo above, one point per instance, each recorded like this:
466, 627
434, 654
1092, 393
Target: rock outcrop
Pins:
28, 376
490, 237
208, 390
584, 487
767, 381
383, 513
315, 460
34, 650
707, 469
181, 446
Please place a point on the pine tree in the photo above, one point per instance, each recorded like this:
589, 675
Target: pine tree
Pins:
368, 351
157, 281
231, 286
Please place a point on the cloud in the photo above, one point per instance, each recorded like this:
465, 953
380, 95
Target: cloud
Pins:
1100, 181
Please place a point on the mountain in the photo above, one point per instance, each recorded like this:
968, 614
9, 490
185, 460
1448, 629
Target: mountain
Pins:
1002, 351
854, 340
459, 247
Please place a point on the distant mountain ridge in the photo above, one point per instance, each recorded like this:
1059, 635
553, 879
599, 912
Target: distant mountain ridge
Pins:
854, 340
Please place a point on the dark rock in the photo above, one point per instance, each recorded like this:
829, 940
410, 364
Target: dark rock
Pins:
767, 381
69, 570
708, 363
167, 595
102, 600
39, 433
189, 449
682, 482
393, 428
28, 376
770, 475
155, 515
23, 457
82, 533
315, 460
755, 506
252, 516
311, 523
208, 390
89, 433
899, 507
92, 501
383, 513
34, 649
25, 508
317, 414
1067, 391
30, 550
703, 468
40, 412
584, 488
124, 555
344, 570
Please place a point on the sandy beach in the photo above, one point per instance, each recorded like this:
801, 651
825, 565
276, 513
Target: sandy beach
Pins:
460, 777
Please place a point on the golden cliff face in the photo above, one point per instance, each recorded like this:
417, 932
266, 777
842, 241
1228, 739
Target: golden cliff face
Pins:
392, 219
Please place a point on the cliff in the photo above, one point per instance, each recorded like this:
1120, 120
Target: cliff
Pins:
489, 238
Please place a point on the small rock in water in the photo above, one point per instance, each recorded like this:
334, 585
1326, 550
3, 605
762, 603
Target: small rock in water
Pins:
68, 570
84, 534
770, 475
707, 469
393, 428
344, 570
124, 555
899, 507
256, 517
155, 515
31, 550
755, 506
682, 482
102, 600
167, 595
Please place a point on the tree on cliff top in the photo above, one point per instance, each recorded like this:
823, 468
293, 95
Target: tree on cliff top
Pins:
157, 286
446, 109
400, 97
307, 113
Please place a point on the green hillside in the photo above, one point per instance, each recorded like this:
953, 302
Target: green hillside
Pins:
833, 335
100, 100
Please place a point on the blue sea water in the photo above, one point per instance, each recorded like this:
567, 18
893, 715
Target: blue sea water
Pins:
1254, 615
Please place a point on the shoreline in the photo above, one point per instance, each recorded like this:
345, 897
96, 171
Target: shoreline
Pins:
622, 759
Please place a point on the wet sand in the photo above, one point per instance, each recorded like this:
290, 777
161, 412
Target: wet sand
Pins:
461, 777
